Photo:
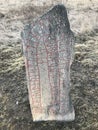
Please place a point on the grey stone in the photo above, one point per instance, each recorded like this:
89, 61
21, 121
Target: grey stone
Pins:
48, 46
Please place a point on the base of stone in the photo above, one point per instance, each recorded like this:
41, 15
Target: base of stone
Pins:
43, 117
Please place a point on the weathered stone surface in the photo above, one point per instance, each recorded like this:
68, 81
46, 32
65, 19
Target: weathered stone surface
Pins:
48, 48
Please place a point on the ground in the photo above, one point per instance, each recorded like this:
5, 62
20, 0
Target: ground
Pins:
15, 111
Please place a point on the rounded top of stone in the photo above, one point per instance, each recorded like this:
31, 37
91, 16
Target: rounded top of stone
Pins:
58, 9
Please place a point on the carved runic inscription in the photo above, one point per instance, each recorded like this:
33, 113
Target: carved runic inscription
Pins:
48, 49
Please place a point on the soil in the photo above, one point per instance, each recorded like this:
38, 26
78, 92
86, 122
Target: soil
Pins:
15, 111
